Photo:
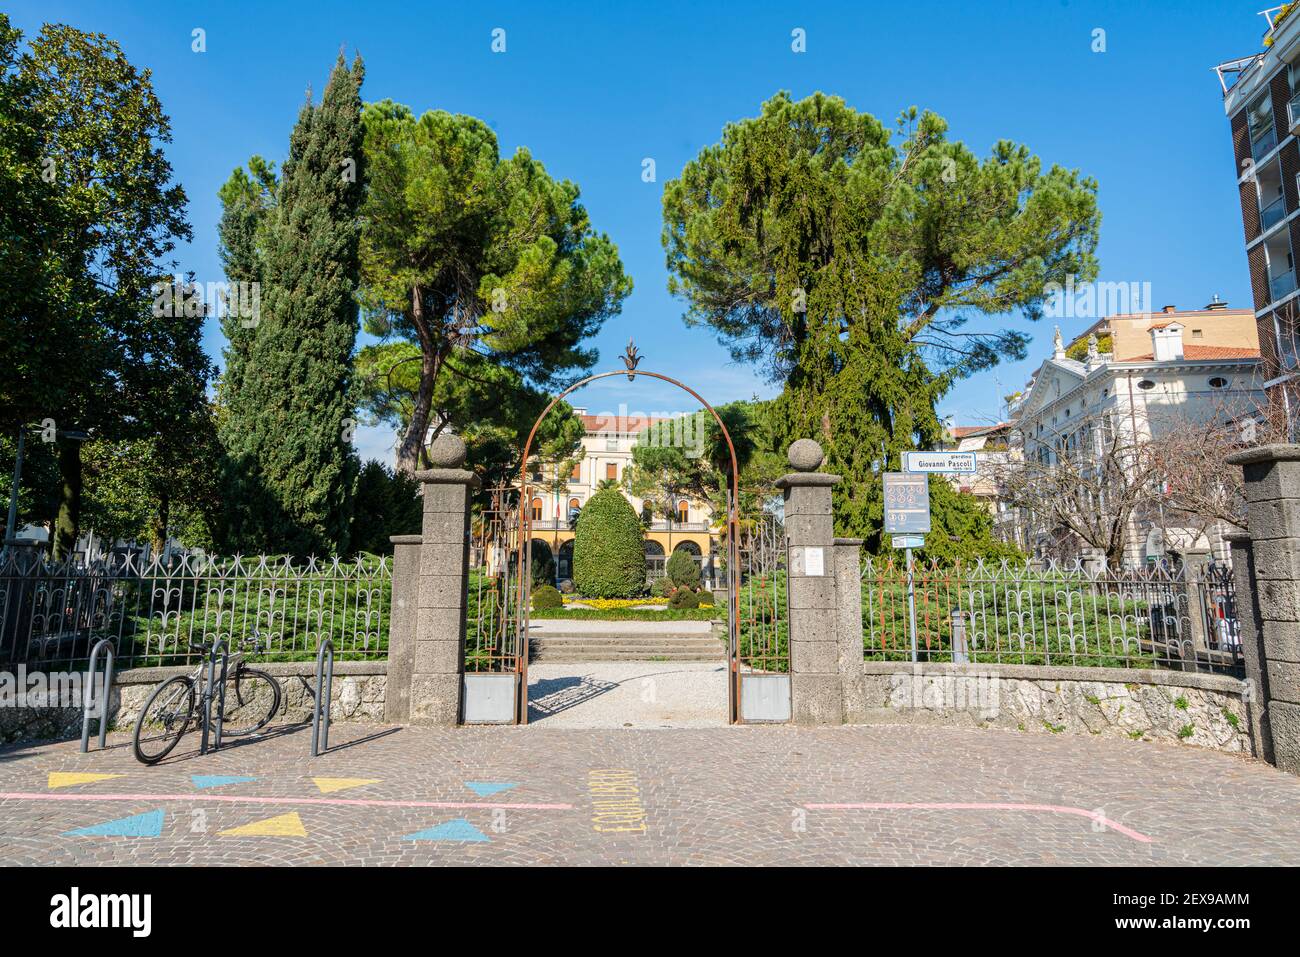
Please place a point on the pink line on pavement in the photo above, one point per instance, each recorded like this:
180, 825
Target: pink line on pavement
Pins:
240, 799
945, 806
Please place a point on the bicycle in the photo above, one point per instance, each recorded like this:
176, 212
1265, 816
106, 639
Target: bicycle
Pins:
251, 698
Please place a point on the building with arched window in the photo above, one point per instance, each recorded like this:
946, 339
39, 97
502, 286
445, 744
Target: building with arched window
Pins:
607, 453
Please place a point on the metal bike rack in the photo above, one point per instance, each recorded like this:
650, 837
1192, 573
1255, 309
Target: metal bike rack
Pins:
206, 718
320, 711
87, 699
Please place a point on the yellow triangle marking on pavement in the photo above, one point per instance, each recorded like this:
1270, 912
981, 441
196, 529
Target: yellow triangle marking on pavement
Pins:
63, 779
330, 785
282, 825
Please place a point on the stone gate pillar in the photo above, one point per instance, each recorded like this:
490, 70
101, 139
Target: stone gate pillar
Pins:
401, 627
1272, 474
816, 693
1252, 648
439, 659
848, 628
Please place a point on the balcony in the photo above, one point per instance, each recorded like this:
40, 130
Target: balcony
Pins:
1281, 286
1272, 214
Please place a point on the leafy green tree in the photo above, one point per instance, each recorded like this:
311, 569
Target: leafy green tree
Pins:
608, 550
849, 263
492, 406
247, 207
466, 252
386, 503
84, 347
690, 458
289, 421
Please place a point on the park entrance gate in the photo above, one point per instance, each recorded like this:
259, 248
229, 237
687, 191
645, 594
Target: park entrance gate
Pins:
497, 627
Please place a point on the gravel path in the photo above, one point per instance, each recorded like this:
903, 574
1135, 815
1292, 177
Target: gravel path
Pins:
633, 694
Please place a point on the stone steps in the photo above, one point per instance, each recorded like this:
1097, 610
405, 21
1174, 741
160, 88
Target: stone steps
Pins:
588, 647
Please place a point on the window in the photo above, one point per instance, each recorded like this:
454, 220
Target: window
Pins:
575, 474
573, 503
683, 511
1260, 120
1218, 382
1196, 334
1146, 385
537, 510
611, 470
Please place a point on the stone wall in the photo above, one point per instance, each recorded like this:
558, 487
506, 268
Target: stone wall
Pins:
1148, 705
357, 695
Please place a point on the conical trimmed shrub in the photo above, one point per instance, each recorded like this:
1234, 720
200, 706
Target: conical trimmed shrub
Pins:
608, 551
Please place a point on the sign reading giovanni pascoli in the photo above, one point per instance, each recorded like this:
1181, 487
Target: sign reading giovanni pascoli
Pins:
958, 462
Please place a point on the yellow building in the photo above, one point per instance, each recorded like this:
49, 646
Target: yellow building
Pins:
607, 453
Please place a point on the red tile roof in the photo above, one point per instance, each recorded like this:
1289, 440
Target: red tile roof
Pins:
630, 424
965, 431
1201, 353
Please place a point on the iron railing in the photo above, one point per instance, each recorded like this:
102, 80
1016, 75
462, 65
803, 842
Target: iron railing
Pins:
764, 598
153, 609
496, 622
1074, 614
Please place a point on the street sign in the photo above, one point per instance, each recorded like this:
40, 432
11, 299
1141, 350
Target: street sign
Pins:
909, 541
959, 463
907, 503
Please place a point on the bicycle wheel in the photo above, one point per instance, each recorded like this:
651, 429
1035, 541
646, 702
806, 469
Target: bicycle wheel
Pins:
163, 720
252, 698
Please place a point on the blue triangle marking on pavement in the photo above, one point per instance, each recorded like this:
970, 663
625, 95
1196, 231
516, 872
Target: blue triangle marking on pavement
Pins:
148, 824
456, 830
216, 780
484, 788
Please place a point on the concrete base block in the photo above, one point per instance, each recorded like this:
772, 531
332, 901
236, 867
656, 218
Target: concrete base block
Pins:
853, 689
435, 699
817, 699
1284, 722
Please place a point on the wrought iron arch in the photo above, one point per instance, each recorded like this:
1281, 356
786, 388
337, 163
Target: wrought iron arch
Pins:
631, 359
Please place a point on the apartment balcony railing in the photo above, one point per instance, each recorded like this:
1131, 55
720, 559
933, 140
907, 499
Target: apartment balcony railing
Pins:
1281, 286
1273, 213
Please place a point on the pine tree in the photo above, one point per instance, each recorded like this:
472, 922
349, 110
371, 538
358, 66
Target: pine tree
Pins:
289, 425
869, 272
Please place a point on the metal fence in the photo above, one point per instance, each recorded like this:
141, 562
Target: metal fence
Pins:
1072, 614
764, 599
497, 605
153, 609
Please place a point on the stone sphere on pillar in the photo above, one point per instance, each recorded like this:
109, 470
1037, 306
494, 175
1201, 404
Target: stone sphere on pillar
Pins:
805, 455
447, 452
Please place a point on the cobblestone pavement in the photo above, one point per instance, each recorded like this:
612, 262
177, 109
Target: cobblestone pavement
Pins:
775, 795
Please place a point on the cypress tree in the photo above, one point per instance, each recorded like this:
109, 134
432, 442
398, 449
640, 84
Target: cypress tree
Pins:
289, 428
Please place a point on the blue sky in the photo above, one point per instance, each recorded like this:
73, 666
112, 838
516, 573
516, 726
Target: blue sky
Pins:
593, 89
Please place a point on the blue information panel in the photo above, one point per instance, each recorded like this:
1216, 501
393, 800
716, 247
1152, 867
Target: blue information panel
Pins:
907, 503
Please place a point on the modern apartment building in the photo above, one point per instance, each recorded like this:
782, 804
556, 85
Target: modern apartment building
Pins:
1261, 96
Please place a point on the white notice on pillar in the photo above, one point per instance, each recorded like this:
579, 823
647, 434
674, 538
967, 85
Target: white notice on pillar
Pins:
814, 562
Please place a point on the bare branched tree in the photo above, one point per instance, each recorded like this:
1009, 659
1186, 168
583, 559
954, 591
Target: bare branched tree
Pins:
1082, 487
1090, 485
1188, 457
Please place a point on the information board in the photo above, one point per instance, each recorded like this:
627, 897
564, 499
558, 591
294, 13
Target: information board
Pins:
907, 503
